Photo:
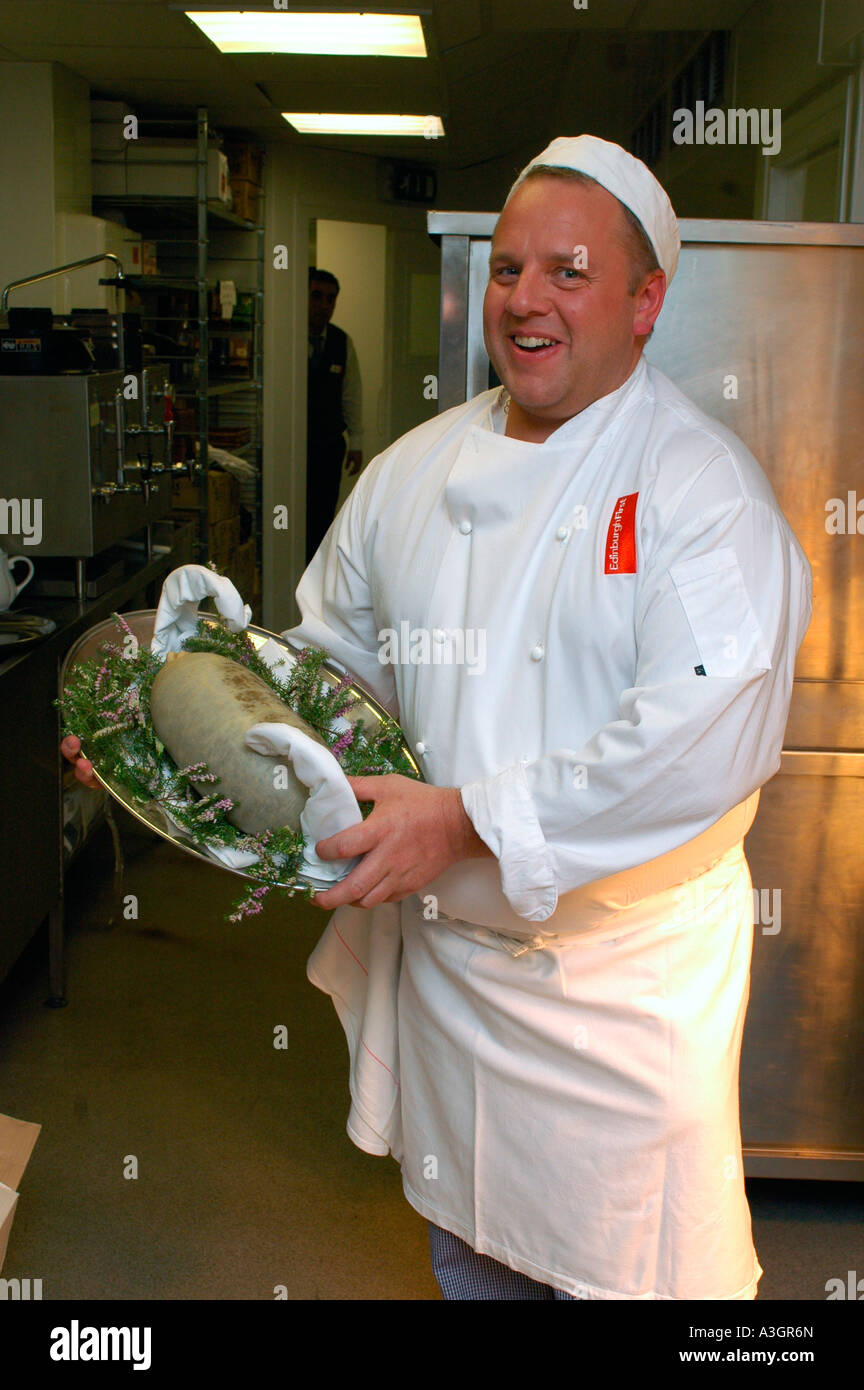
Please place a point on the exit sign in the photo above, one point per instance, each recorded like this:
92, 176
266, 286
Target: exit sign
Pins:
413, 183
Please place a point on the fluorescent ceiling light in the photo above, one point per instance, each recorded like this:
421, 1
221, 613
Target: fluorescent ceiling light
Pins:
250, 31
328, 123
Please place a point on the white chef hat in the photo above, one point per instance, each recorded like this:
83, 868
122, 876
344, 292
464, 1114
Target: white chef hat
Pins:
625, 176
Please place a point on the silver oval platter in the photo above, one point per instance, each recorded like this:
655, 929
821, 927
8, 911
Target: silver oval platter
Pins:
87, 648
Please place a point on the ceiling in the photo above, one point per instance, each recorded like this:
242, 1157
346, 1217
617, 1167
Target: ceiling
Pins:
503, 74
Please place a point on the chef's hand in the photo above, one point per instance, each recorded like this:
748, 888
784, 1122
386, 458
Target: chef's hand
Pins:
353, 461
414, 833
71, 750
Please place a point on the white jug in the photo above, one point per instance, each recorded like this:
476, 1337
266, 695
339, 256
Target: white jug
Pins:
9, 590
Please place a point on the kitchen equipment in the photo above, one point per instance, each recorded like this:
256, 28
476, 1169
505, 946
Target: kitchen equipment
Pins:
86, 460
730, 336
9, 590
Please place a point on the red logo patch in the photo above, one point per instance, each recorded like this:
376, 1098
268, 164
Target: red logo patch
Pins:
621, 537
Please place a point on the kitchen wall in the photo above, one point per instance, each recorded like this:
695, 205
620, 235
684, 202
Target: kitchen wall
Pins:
44, 169
774, 62
356, 253
304, 185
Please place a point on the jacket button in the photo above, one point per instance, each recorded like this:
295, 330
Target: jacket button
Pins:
537, 652
420, 748
465, 527
562, 533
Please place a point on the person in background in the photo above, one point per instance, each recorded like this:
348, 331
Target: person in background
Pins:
334, 405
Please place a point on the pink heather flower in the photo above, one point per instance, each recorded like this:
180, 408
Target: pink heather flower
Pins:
246, 909
110, 729
197, 773
343, 742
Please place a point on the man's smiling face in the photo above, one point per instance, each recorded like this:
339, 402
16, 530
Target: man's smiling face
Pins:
560, 336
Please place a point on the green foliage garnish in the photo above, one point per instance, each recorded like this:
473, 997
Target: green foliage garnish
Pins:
107, 705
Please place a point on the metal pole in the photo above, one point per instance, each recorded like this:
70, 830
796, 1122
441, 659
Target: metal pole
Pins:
60, 270
203, 342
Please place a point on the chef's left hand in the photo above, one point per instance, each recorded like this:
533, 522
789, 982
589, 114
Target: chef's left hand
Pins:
414, 833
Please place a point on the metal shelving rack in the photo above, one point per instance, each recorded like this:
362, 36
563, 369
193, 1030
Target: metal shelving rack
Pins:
154, 216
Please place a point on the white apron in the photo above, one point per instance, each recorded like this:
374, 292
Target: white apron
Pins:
570, 1110
552, 1054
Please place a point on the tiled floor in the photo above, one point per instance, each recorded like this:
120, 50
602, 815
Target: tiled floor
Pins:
164, 1062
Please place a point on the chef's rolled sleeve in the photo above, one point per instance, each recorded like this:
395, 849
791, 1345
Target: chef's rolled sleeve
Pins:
516, 839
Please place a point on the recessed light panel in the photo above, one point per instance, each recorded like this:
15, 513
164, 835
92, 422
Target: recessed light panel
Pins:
250, 31
330, 123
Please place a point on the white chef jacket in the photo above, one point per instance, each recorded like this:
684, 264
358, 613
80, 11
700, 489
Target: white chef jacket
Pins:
548, 1041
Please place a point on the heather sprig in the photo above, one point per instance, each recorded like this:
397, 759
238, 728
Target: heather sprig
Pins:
106, 702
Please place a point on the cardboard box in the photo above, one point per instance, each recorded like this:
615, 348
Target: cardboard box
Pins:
244, 199
109, 110
106, 137
181, 537
242, 571
184, 517
245, 162
17, 1138
230, 436
107, 125
239, 352
223, 495
131, 256
223, 541
166, 169
138, 256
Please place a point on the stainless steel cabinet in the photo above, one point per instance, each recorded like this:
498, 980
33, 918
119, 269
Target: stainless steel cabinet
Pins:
763, 328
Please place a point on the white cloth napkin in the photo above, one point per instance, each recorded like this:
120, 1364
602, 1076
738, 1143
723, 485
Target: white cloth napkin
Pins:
331, 807
177, 614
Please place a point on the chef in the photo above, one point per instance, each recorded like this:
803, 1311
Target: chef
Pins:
541, 959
